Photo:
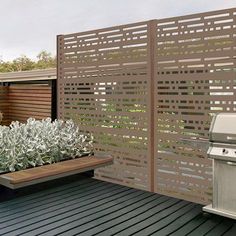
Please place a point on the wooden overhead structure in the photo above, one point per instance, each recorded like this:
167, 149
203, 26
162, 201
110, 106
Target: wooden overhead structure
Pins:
32, 75
27, 94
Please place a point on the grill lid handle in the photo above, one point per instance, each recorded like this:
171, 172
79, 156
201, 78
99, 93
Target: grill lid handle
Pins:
231, 138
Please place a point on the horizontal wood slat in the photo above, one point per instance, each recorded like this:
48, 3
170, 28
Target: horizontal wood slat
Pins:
26, 94
30, 100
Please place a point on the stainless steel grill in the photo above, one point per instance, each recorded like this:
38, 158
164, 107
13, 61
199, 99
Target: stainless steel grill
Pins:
222, 150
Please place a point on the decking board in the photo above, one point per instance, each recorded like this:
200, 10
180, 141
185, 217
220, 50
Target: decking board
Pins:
53, 205
64, 211
86, 206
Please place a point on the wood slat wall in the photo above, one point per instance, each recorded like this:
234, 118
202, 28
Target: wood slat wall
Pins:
4, 104
29, 100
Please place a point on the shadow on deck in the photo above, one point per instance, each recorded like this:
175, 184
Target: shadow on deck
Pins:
80, 205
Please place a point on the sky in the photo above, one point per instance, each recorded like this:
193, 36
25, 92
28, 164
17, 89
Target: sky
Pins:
30, 26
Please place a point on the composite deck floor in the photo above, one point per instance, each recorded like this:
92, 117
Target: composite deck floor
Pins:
84, 206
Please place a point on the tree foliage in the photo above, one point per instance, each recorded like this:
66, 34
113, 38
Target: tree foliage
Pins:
45, 60
23, 63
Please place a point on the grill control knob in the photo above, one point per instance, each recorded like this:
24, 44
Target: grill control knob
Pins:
225, 151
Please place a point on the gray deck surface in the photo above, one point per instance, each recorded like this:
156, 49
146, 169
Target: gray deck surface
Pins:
90, 207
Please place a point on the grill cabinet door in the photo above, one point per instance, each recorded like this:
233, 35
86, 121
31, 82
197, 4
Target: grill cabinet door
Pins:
224, 185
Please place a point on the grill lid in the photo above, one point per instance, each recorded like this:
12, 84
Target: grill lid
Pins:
223, 128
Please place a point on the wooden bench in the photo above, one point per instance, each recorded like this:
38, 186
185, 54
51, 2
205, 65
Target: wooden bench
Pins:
45, 173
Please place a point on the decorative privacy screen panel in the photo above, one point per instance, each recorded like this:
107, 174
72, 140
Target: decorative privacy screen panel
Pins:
147, 92
195, 78
104, 85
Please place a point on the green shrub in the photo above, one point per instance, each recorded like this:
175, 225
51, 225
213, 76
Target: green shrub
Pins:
37, 143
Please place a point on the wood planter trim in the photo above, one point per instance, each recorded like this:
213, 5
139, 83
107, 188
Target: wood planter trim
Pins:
45, 173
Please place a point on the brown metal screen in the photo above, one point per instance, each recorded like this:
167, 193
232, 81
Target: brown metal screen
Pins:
104, 84
195, 78
144, 90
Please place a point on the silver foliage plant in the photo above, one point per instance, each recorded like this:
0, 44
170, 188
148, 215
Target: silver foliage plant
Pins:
37, 143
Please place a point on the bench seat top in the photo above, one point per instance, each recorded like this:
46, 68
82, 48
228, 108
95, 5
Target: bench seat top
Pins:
45, 173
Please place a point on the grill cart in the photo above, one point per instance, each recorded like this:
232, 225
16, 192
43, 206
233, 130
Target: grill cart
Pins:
222, 150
